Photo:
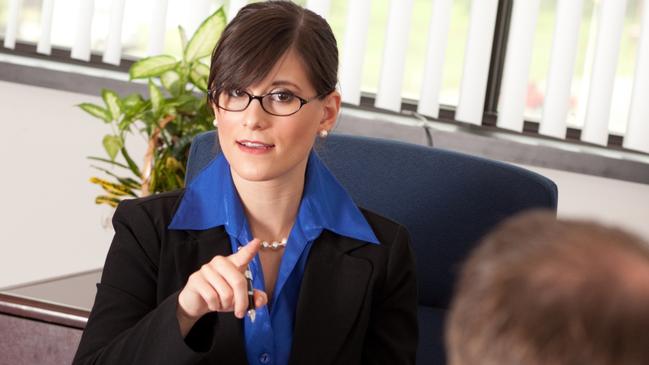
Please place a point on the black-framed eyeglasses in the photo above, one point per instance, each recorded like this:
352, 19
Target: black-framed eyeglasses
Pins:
277, 103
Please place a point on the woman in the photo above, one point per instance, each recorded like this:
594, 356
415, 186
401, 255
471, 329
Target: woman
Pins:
334, 284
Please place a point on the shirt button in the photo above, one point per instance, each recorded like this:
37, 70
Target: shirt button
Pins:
264, 358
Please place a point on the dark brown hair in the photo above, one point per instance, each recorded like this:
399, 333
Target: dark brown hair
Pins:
261, 33
544, 291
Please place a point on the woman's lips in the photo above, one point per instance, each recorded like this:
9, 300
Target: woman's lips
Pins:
254, 147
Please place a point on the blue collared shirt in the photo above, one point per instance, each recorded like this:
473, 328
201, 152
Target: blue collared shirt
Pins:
211, 200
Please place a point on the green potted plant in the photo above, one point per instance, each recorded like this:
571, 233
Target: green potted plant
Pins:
174, 112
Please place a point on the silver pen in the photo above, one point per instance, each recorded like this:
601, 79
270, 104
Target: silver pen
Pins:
251, 299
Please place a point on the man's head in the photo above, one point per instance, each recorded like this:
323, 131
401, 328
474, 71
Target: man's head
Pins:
543, 291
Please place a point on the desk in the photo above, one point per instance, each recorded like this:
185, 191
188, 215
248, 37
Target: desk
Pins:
41, 323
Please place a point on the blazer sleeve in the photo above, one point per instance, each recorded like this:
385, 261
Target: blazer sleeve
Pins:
127, 325
393, 332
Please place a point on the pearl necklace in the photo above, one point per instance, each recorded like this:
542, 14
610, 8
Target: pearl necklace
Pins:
274, 245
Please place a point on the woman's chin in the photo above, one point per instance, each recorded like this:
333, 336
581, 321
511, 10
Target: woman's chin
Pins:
255, 173
267, 168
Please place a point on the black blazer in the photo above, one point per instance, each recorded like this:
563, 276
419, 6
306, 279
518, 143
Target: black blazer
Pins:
357, 303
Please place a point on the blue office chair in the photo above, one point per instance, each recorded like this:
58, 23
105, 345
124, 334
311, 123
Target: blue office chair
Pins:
446, 200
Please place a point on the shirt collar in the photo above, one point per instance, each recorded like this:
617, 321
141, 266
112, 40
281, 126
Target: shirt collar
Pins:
211, 200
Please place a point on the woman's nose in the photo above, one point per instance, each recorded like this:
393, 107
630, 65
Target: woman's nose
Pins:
254, 116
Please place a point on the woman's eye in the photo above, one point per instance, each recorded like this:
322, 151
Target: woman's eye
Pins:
237, 93
283, 97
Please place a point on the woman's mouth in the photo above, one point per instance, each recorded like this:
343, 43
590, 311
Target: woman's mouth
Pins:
255, 147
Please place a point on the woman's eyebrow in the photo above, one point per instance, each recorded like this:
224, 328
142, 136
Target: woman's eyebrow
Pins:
286, 83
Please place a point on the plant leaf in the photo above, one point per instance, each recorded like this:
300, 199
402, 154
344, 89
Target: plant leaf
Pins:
183, 37
133, 111
170, 82
107, 161
199, 74
110, 200
112, 102
112, 188
125, 123
171, 164
96, 111
156, 97
132, 101
202, 69
131, 164
127, 181
153, 183
112, 144
181, 100
169, 110
152, 66
199, 81
206, 36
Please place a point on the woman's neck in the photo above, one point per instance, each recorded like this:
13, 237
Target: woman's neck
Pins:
271, 206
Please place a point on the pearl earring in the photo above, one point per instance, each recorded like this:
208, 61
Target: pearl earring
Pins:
323, 133
216, 123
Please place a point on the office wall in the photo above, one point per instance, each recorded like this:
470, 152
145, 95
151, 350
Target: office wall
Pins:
49, 222
51, 227
608, 201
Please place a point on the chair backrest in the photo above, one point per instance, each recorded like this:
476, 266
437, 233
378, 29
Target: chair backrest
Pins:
446, 200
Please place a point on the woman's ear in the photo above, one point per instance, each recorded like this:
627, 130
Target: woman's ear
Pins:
215, 110
331, 109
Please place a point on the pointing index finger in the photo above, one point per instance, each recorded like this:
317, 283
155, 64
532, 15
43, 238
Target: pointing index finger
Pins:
245, 254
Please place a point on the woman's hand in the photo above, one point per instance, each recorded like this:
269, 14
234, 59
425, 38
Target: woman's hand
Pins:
218, 286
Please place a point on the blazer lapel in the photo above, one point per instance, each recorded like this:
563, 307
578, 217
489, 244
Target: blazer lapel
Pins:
199, 249
331, 297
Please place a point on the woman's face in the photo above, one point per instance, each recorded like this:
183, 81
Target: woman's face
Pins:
263, 147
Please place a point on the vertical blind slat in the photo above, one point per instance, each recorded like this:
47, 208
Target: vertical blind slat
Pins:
388, 95
637, 133
476, 61
113, 52
517, 65
235, 6
13, 16
351, 67
609, 34
562, 64
158, 26
589, 57
320, 7
81, 47
435, 56
45, 40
